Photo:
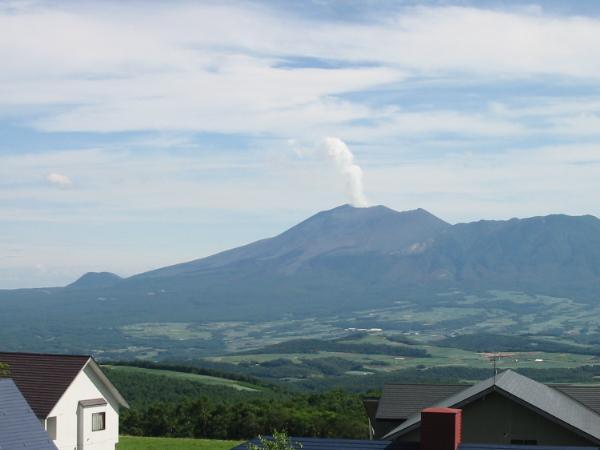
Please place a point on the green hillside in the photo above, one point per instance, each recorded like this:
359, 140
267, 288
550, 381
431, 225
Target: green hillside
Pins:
194, 377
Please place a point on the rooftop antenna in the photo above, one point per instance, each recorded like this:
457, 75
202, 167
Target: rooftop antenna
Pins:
493, 358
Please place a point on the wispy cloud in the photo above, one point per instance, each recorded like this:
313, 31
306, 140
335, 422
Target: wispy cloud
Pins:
112, 67
59, 180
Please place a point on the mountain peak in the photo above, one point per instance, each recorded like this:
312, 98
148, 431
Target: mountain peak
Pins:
373, 211
342, 230
376, 219
95, 280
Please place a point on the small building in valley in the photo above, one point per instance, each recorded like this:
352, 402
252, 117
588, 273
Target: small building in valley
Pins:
72, 398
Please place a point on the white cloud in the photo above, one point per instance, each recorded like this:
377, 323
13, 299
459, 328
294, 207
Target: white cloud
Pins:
112, 67
400, 123
59, 180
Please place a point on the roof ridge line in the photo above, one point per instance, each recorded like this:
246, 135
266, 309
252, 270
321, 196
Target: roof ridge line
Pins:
67, 355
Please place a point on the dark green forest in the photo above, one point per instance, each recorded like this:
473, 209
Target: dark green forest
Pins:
322, 407
167, 406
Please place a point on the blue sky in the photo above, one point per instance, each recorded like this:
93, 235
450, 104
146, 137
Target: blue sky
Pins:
139, 134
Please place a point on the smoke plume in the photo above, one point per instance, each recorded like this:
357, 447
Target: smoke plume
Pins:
339, 153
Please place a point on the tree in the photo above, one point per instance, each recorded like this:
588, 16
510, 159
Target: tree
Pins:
279, 441
4, 370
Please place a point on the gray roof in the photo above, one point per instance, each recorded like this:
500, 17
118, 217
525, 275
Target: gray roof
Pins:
370, 404
546, 400
587, 395
19, 427
400, 401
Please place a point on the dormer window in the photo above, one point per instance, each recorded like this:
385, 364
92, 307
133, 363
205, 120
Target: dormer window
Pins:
98, 421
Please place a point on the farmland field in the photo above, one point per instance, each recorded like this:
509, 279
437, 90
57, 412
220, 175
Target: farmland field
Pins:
447, 330
441, 315
439, 357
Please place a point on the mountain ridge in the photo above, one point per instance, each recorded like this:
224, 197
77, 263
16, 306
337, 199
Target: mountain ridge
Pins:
346, 230
314, 236
337, 264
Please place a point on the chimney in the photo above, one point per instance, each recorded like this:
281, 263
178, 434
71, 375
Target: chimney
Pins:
441, 428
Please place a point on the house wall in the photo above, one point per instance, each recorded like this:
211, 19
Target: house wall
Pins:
68, 413
495, 419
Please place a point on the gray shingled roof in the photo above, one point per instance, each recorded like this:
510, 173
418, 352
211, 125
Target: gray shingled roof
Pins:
19, 427
400, 401
546, 400
587, 395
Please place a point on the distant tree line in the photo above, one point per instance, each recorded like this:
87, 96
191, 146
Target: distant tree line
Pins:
337, 346
488, 342
187, 368
444, 375
141, 388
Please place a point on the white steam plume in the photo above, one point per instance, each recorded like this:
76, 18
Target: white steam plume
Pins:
342, 157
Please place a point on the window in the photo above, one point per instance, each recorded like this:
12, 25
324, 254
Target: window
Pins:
98, 421
51, 427
523, 442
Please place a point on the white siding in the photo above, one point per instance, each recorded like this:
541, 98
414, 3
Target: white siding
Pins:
69, 415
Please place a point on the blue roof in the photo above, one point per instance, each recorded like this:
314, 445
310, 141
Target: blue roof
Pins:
521, 447
349, 444
341, 444
19, 427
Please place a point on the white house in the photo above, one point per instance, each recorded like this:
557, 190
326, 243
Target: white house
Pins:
75, 402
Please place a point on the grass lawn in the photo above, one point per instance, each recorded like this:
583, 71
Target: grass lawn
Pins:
149, 443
